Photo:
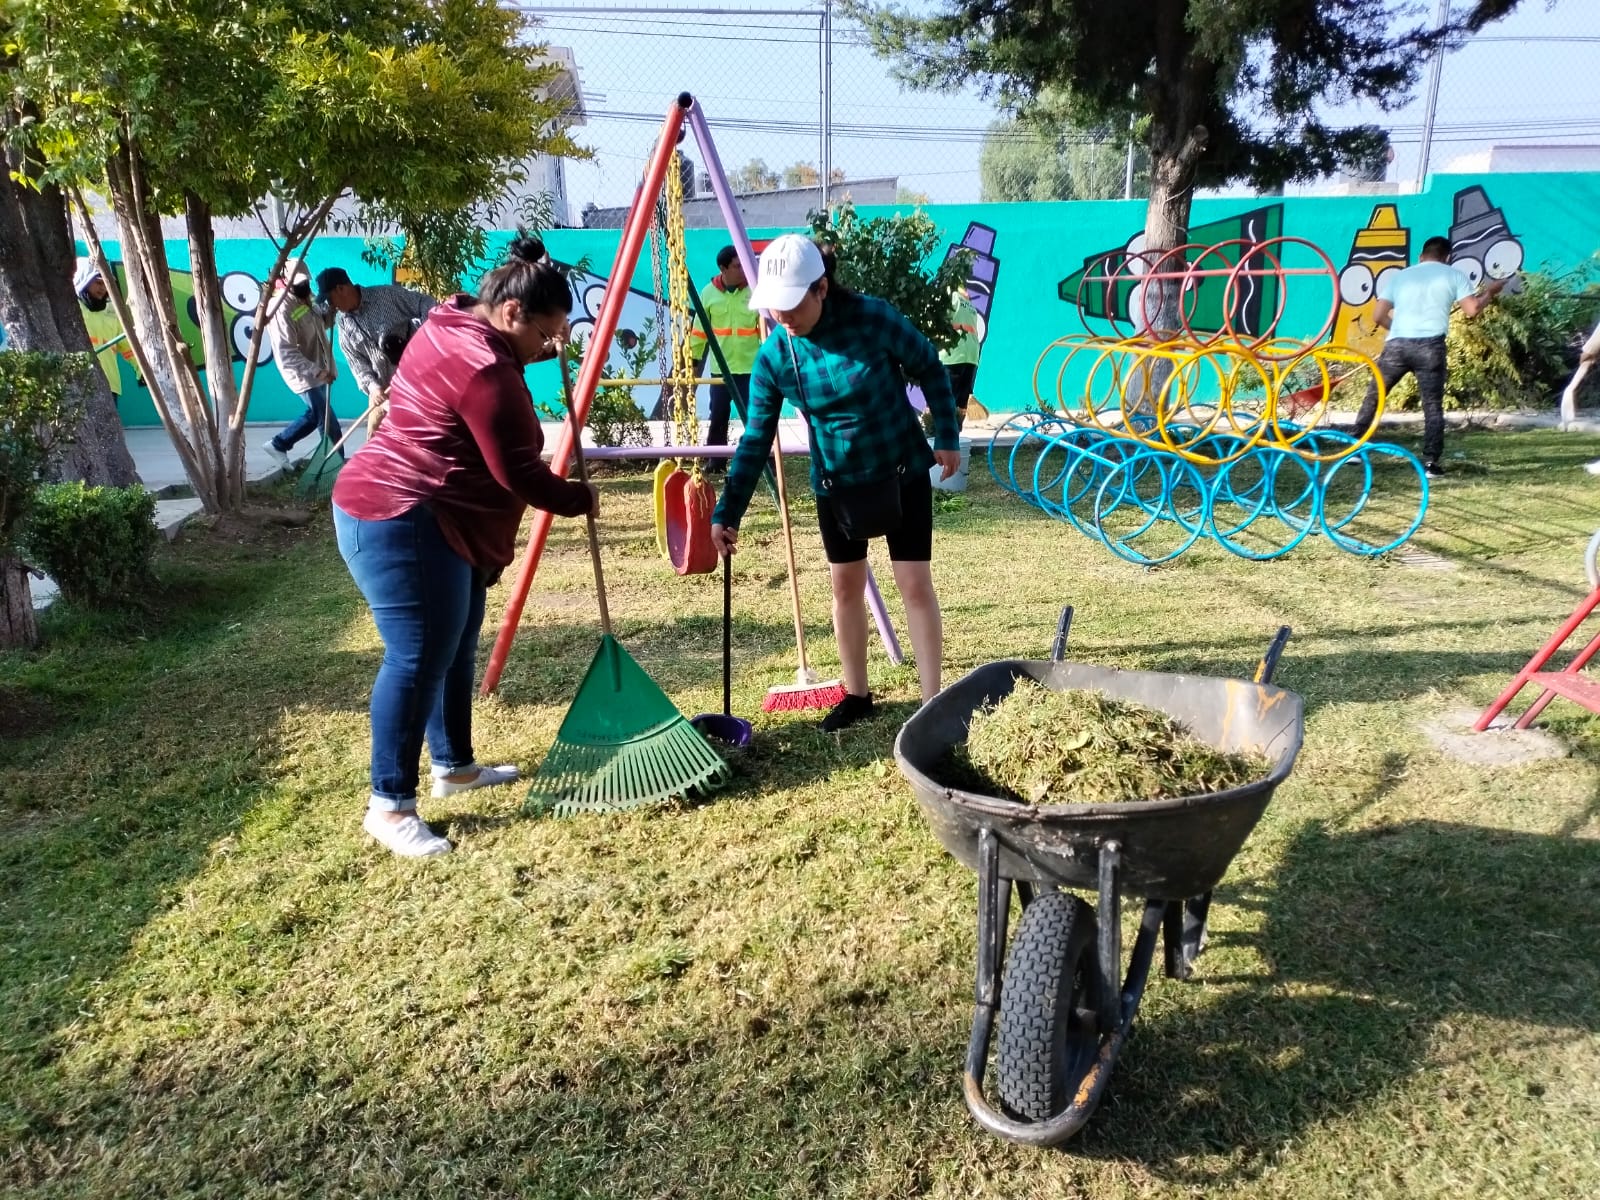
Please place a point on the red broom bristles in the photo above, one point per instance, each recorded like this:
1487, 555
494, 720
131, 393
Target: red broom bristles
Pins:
792, 697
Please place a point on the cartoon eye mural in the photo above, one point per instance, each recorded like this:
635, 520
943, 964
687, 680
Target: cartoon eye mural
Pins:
1481, 243
1504, 259
240, 291
1356, 285
244, 327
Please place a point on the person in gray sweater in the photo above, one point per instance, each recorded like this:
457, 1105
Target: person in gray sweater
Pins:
364, 314
298, 331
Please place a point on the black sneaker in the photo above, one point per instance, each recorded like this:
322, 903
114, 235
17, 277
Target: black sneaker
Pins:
1434, 470
847, 712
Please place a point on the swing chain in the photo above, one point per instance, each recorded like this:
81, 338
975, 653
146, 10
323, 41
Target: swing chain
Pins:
658, 256
678, 284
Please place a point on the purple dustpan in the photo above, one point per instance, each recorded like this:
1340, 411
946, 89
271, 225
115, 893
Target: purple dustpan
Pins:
729, 730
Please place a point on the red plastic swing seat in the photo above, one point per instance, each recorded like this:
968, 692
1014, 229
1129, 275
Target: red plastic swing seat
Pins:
689, 503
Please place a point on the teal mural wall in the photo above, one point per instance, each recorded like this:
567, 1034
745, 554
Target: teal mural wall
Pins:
1032, 257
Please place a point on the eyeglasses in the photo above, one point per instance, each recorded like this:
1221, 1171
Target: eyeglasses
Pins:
559, 337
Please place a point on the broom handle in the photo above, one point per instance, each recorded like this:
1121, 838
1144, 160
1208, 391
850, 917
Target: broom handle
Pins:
354, 425
727, 635
583, 477
788, 550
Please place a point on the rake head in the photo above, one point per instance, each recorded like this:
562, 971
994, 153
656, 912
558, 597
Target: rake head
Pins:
622, 745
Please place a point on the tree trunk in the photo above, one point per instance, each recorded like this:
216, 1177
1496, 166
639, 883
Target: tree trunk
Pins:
218, 351
98, 453
40, 312
1178, 93
18, 629
193, 425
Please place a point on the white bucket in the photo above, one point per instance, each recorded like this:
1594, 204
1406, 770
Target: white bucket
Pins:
958, 481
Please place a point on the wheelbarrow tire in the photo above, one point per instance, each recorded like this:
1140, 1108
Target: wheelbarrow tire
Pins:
1050, 992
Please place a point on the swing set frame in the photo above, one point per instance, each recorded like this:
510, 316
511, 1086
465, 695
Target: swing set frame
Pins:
635, 227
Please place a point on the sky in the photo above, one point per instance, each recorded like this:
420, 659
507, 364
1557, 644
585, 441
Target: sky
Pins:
1530, 80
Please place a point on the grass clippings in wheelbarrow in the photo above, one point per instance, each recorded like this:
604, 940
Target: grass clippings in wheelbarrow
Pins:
1043, 746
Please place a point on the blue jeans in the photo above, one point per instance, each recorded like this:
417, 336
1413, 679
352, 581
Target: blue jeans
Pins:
428, 604
310, 421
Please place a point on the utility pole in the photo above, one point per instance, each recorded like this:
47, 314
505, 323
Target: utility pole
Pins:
1127, 177
1435, 70
827, 99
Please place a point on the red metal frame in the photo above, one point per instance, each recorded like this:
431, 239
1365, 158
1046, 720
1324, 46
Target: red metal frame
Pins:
1569, 681
588, 377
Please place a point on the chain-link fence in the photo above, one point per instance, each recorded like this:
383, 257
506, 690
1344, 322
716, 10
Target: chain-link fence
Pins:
792, 89
772, 78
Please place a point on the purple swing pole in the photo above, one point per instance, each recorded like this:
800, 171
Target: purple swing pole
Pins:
734, 219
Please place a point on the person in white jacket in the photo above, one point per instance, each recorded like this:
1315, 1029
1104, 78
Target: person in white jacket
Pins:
304, 357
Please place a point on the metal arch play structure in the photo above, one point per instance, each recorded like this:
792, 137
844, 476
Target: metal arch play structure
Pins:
1165, 435
683, 111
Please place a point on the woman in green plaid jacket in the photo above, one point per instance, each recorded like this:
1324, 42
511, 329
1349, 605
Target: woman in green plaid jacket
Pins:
843, 360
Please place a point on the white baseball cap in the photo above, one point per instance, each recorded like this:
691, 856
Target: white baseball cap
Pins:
789, 266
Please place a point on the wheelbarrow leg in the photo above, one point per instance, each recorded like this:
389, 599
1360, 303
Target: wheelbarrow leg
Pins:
1184, 934
994, 906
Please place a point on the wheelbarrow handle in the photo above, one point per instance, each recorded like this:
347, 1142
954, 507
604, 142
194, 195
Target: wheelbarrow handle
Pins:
1058, 651
1268, 665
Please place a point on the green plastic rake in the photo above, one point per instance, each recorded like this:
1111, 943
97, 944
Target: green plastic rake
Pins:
623, 743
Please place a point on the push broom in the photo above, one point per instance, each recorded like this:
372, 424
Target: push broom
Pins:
805, 691
623, 743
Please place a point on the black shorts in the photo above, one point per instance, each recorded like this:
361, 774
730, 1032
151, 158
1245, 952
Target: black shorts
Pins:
912, 542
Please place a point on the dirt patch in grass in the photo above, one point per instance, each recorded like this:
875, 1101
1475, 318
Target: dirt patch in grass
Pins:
257, 525
25, 714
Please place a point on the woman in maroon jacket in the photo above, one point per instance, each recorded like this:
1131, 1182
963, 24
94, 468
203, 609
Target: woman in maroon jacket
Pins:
427, 515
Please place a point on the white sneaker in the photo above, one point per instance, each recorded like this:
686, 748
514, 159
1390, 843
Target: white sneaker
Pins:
1593, 468
486, 777
409, 838
278, 456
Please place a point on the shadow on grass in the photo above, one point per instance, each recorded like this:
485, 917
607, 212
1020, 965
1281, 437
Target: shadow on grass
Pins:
1384, 935
1394, 930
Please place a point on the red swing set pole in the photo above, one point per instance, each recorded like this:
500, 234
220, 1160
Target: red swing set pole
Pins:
589, 376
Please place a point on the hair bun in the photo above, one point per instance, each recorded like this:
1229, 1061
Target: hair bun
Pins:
526, 247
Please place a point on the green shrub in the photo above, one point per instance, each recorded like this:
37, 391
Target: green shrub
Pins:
35, 416
95, 542
614, 419
1519, 352
889, 257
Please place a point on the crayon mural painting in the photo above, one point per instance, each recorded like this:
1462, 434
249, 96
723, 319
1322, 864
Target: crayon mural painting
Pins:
1070, 268
1107, 293
1379, 246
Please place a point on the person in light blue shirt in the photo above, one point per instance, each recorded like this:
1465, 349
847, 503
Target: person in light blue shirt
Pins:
1414, 305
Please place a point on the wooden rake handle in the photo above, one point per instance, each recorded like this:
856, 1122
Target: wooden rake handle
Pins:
583, 477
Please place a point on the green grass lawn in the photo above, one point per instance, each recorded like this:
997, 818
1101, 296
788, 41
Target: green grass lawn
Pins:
214, 984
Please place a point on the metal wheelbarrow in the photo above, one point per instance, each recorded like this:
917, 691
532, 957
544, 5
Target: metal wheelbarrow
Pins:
1063, 1018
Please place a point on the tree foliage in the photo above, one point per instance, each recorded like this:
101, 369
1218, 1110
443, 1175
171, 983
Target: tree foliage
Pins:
37, 410
203, 108
805, 174
1232, 87
754, 176
35, 414
1043, 157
